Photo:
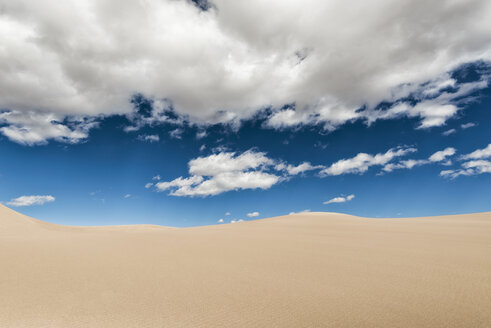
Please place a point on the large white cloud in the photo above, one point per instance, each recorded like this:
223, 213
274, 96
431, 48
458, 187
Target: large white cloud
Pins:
329, 58
221, 172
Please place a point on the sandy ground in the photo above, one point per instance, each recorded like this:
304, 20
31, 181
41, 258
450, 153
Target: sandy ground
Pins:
305, 270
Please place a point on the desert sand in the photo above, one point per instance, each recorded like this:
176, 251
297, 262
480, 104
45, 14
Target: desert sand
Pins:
302, 270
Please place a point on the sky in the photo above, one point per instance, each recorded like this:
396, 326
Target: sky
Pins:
185, 113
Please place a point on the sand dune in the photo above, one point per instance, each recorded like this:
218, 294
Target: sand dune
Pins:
304, 270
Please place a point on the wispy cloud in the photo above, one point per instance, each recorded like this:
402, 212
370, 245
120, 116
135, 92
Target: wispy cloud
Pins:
149, 138
253, 214
449, 132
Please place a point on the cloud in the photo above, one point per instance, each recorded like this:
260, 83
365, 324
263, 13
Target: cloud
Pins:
35, 128
439, 156
479, 153
361, 162
235, 220
149, 137
127, 196
176, 133
442, 154
201, 134
468, 168
294, 170
253, 214
31, 200
228, 162
226, 171
148, 185
227, 214
212, 64
475, 164
468, 125
339, 199
449, 132
220, 221
300, 212
433, 111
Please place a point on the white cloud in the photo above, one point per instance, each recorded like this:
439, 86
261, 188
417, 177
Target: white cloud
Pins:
468, 125
149, 137
31, 200
176, 133
340, 199
235, 220
228, 162
479, 153
35, 128
87, 58
361, 162
220, 221
148, 185
439, 156
449, 132
294, 170
476, 163
127, 196
227, 214
469, 168
432, 111
442, 154
300, 212
201, 134
253, 214
218, 173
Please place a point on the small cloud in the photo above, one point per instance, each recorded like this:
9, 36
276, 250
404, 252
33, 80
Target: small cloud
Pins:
127, 196
149, 138
442, 154
253, 214
203, 147
235, 220
31, 200
201, 134
468, 125
149, 185
339, 199
157, 177
449, 132
176, 133
220, 221
304, 211
227, 214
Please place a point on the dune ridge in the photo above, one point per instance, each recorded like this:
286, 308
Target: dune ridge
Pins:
302, 270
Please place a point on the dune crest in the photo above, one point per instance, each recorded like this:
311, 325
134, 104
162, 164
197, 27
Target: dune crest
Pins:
302, 270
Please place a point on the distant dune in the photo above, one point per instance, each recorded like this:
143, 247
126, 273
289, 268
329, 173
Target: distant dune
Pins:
303, 270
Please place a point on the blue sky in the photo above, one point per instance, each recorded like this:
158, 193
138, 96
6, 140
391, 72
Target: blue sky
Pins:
387, 137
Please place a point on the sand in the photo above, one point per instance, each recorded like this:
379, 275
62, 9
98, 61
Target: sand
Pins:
303, 270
